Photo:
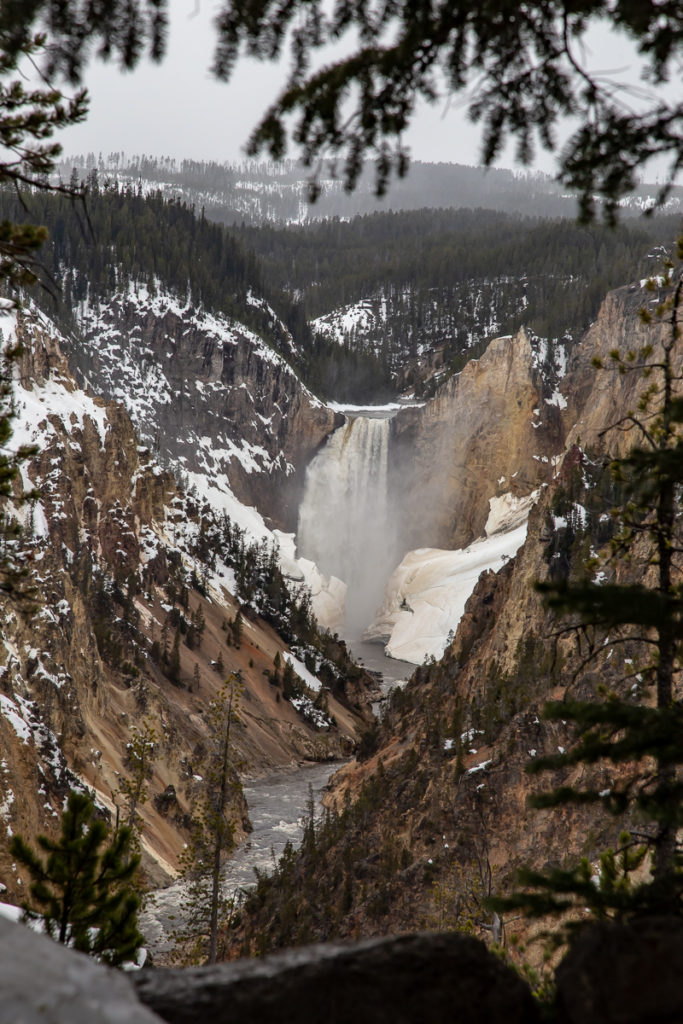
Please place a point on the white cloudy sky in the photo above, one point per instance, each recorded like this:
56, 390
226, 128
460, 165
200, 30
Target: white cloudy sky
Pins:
177, 109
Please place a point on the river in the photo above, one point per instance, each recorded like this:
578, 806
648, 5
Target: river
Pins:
277, 805
370, 654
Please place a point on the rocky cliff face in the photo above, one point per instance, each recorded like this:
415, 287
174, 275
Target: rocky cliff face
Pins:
494, 428
599, 399
206, 394
115, 550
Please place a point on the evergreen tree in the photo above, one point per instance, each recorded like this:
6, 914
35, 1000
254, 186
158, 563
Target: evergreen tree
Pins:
140, 757
29, 118
638, 733
82, 889
237, 628
173, 667
524, 70
206, 907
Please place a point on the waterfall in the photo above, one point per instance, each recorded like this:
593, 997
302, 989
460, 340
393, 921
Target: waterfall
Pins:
344, 521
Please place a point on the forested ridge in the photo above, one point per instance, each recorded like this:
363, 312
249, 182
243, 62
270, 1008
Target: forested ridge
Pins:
452, 278
265, 191
119, 237
431, 280
339, 262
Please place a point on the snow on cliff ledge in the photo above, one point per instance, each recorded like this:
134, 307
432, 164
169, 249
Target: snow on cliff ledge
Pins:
426, 594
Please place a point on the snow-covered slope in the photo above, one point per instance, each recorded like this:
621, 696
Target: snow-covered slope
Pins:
208, 395
217, 406
413, 322
426, 594
362, 322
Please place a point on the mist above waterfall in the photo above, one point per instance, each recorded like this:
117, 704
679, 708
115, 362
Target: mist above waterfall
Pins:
345, 524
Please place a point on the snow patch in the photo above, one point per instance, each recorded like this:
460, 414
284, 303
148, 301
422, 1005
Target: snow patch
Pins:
328, 593
426, 595
558, 399
304, 675
507, 512
12, 712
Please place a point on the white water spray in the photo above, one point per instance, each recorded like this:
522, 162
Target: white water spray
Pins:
344, 521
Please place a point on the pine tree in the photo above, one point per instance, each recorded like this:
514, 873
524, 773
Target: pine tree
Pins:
173, 667
237, 628
140, 757
199, 623
206, 906
29, 118
82, 890
639, 734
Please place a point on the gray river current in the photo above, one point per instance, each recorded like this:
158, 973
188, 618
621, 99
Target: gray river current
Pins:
277, 805
276, 808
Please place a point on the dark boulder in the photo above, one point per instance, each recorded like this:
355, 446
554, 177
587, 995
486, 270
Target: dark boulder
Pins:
624, 974
409, 979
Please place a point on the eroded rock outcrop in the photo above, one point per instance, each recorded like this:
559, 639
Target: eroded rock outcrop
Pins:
599, 399
494, 428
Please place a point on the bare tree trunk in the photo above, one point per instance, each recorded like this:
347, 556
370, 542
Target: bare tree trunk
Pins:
219, 836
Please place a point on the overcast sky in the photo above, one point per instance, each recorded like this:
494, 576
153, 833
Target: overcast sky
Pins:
177, 109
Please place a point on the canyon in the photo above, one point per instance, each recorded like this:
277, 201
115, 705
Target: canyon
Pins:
421, 526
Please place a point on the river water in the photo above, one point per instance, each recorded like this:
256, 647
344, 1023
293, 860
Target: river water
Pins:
277, 805
370, 654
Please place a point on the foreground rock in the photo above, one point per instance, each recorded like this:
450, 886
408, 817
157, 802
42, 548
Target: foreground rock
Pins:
405, 980
624, 974
44, 983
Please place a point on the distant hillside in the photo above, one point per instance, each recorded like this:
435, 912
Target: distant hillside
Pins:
360, 309
426, 289
122, 239
255, 193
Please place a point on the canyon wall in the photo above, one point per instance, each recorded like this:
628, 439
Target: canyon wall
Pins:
494, 428
112, 548
206, 394
500, 426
